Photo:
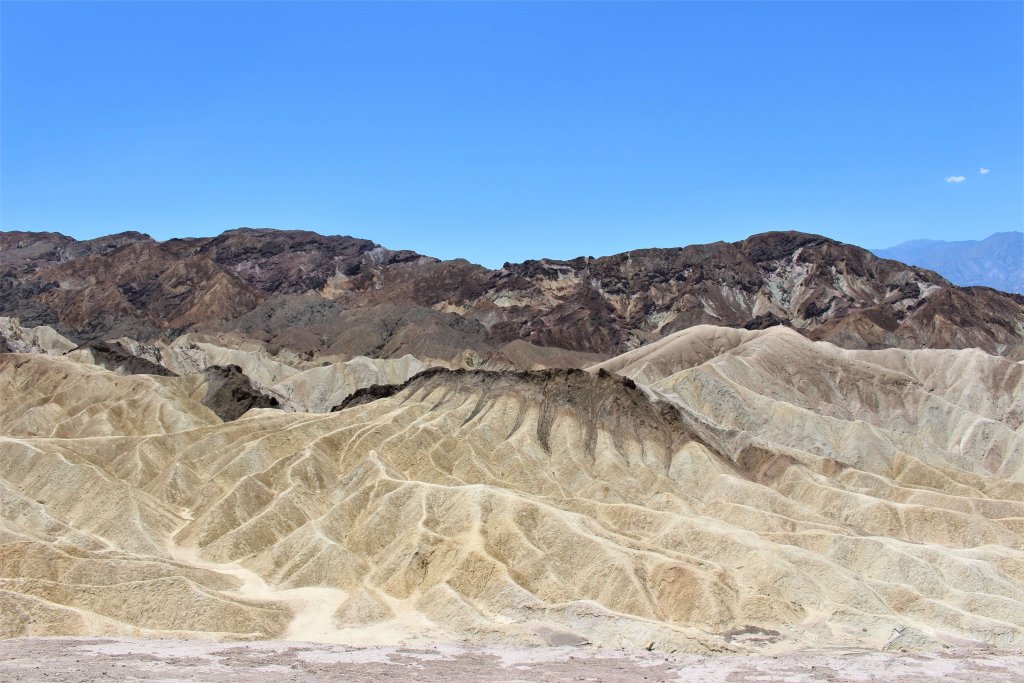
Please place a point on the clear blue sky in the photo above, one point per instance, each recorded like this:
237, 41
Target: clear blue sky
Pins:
510, 131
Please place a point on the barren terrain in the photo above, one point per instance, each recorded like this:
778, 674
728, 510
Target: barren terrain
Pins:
721, 490
237, 485
67, 660
307, 293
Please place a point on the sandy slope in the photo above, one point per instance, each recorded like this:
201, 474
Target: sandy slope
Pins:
757, 492
863, 408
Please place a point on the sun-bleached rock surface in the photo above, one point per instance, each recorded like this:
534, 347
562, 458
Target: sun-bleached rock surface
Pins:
862, 408
14, 338
721, 490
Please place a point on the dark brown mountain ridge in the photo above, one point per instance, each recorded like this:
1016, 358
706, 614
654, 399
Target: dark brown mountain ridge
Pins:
315, 293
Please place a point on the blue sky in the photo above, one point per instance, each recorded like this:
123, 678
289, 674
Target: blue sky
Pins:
506, 131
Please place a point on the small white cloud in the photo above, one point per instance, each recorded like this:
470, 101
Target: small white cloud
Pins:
984, 171
955, 178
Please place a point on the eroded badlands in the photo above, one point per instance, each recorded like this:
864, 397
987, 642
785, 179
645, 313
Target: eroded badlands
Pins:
718, 491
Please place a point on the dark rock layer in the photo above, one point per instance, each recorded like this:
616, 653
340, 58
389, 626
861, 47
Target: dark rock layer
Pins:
230, 392
315, 293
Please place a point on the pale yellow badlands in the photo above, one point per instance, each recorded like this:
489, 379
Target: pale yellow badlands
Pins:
752, 490
299, 385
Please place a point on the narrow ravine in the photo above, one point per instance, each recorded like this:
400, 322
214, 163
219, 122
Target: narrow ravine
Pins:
313, 607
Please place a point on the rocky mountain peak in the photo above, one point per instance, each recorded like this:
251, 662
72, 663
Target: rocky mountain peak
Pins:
313, 293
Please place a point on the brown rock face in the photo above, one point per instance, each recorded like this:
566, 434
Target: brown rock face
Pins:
293, 261
310, 292
122, 285
230, 393
24, 252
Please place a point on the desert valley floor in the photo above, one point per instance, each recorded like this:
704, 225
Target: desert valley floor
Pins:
66, 660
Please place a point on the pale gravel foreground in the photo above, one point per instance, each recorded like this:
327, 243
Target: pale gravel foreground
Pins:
125, 659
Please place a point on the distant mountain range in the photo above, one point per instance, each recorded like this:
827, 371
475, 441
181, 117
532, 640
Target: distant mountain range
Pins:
996, 261
316, 294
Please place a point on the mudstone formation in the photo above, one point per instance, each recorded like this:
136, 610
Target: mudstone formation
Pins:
778, 443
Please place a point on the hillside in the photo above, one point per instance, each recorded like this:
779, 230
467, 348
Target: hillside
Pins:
744, 491
308, 293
